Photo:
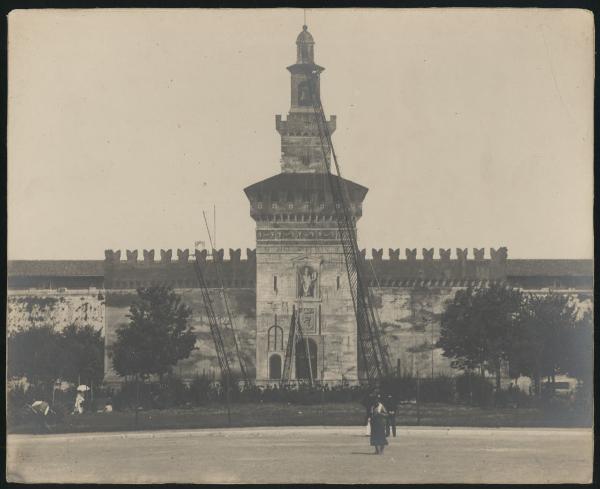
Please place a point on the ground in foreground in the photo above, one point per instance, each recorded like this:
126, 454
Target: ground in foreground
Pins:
305, 455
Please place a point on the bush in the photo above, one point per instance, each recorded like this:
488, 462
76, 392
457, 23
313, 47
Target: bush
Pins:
199, 390
582, 403
171, 392
512, 397
437, 389
17, 397
474, 389
126, 396
403, 388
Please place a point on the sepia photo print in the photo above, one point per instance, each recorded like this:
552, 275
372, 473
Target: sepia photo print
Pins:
300, 246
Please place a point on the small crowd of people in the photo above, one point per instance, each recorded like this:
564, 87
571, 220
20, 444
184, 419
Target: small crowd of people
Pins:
380, 419
44, 413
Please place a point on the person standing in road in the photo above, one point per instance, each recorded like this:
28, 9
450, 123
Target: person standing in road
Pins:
368, 402
378, 423
391, 406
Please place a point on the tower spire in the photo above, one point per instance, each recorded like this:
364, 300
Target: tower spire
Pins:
300, 143
305, 44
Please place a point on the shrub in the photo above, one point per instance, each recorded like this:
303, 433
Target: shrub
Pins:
474, 389
126, 396
199, 390
404, 388
582, 403
437, 389
17, 397
171, 392
512, 397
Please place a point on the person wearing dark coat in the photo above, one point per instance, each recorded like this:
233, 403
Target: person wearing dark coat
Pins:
368, 401
378, 424
391, 405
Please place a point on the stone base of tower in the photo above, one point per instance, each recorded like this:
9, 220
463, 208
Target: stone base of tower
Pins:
313, 281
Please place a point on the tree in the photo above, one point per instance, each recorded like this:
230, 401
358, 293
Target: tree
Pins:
157, 337
580, 350
478, 326
82, 354
546, 328
43, 354
34, 353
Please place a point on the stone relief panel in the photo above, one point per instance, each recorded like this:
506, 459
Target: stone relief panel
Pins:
308, 320
307, 282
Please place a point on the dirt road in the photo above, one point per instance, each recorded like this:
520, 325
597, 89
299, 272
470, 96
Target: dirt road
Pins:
304, 455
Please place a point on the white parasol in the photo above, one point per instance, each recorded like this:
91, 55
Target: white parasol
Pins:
83, 388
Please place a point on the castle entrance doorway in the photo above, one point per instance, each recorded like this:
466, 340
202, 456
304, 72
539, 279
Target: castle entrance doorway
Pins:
306, 364
275, 367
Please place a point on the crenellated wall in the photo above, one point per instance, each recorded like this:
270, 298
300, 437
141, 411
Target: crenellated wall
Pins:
411, 289
130, 272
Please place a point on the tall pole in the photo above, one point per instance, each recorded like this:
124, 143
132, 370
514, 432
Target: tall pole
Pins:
215, 223
137, 399
227, 400
432, 350
418, 399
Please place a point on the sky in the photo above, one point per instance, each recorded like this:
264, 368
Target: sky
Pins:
471, 128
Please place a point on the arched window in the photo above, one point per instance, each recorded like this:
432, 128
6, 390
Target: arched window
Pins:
275, 367
275, 339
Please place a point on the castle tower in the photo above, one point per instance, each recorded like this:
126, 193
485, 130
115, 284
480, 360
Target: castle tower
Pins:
299, 258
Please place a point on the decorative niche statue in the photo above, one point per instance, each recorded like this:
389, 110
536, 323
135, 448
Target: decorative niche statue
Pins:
307, 279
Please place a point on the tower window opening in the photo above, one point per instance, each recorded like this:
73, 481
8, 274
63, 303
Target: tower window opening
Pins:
275, 283
275, 338
337, 282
